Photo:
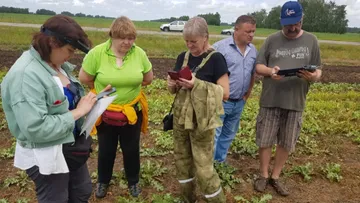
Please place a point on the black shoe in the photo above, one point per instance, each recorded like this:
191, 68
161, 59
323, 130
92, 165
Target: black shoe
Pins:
135, 190
101, 190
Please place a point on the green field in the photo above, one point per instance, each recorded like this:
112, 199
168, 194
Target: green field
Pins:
15, 38
154, 26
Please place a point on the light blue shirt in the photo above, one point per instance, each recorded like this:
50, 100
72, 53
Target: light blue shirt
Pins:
241, 67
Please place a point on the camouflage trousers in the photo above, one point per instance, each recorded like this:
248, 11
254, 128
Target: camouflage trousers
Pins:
194, 162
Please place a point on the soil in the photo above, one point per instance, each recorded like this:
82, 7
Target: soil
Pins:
317, 190
345, 74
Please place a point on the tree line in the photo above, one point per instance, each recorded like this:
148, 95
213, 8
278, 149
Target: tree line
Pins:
4, 9
320, 16
211, 18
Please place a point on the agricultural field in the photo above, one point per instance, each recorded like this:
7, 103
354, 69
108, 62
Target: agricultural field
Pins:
154, 26
325, 167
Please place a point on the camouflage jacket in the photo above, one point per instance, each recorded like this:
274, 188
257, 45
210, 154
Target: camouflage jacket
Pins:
199, 108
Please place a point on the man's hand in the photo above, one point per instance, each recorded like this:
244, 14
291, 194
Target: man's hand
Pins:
309, 76
189, 84
246, 96
274, 74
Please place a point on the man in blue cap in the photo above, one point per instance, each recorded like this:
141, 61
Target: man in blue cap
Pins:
282, 99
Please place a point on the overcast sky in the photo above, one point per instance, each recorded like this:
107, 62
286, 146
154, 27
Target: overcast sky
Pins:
155, 9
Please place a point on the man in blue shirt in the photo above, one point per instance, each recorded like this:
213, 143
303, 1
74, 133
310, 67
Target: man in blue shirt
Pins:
240, 57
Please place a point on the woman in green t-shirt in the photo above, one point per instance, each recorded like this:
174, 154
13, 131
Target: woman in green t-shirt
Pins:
125, 66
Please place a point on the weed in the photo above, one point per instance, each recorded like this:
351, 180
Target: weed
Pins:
304, 170
263, 199
9, 152
332, 172
21, 180
226, 174
150, 173
167, 198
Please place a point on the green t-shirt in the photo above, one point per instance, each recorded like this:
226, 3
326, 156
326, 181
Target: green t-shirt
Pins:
289, 92
101, 63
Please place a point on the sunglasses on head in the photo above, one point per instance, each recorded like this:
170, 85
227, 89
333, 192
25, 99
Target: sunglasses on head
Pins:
75, 43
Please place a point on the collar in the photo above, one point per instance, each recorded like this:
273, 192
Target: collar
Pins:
67, 67
37, 56
109, 52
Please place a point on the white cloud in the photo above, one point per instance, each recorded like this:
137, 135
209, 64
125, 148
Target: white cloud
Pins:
78, 3
155, 9
98, 1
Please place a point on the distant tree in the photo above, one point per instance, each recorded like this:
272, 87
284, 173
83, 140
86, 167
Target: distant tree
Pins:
260, 17
272, 20
4, 9
225, 24
89, 16
45, 12
322, 16
67, 13
353, 29
211, 19
80, 15
184, 18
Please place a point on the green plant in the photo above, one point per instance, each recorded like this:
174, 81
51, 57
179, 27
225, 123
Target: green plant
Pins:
22, 200
166, 198
332, 172
21, 180
163, 139
152, 152
3, 200
263, 199
244, 145
226, 174
130, 200
9, 152
150, 173
304, 170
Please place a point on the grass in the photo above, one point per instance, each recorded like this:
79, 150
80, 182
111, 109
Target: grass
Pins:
154, 26
19, 38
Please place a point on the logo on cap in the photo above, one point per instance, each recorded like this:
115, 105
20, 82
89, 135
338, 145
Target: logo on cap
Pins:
289, 12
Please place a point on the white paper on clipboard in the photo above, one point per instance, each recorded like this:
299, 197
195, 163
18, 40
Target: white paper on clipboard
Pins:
94, 114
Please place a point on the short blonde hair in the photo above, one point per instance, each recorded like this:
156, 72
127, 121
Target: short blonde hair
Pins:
196, 26
122, 27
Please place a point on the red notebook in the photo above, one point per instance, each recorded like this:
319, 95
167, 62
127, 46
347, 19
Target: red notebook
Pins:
183, 73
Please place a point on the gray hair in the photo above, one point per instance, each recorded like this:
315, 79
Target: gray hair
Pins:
196, 26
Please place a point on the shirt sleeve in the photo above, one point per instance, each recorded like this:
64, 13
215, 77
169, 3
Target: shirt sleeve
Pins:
220, 66
90, 62
263, 57
35, 121
146, 63
315, 55
179, 61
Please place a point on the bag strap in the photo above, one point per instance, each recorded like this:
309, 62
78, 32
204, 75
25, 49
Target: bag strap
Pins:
203, 62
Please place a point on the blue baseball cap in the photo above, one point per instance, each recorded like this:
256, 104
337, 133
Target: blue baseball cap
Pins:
291, 13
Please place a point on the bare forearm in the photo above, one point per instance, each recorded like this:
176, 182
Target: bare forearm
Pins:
252, 82
263, 70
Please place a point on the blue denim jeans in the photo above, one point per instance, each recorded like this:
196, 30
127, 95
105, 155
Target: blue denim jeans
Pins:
225, 134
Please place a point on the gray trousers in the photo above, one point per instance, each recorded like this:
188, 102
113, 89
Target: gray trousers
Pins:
73, 187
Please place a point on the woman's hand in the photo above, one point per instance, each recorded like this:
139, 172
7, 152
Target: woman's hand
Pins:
84, 106
189, 84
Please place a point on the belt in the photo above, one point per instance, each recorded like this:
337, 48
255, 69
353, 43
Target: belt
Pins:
234, 100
